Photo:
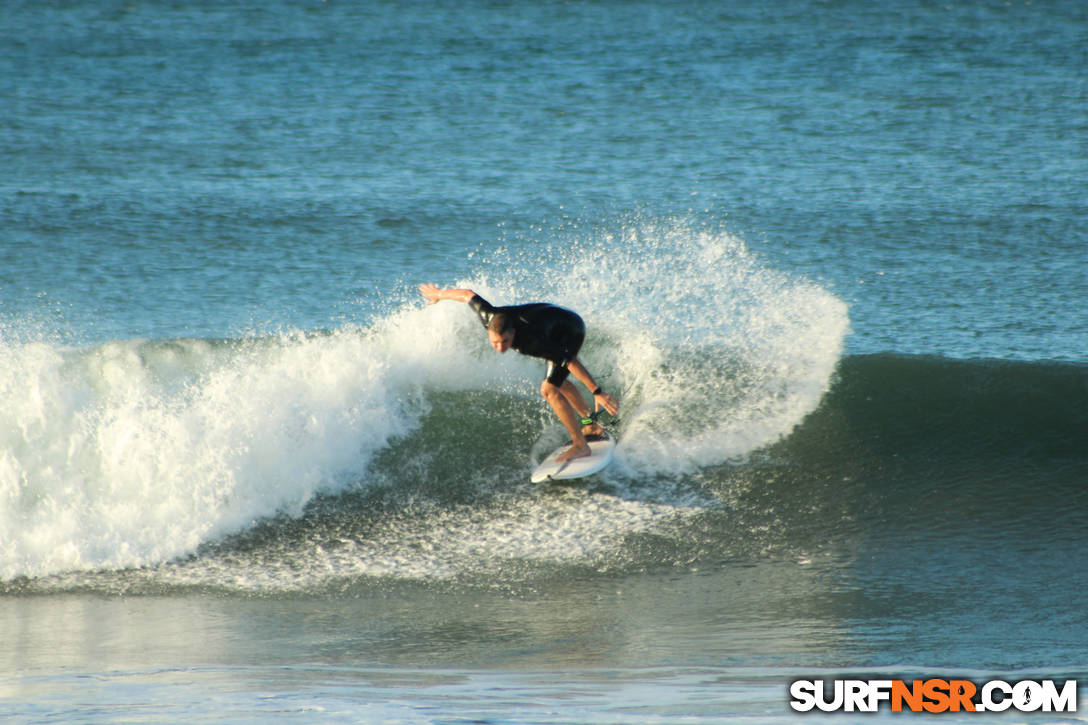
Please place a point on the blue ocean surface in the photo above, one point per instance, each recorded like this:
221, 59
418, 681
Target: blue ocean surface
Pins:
833, 260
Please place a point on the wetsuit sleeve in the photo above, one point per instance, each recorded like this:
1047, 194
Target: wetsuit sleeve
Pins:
556, 374
483, 308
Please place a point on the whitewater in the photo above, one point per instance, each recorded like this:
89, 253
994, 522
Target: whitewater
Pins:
133, 453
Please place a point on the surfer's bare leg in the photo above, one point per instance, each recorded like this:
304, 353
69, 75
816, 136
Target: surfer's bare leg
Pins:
574, 397
569, 418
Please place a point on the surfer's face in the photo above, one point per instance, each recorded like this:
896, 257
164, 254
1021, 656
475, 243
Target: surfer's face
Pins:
501, 342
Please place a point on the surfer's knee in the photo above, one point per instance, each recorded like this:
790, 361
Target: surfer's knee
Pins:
550, 392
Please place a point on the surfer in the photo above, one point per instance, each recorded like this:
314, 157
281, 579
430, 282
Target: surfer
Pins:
550, 332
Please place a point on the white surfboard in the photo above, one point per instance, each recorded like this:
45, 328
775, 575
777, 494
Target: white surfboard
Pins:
601, 447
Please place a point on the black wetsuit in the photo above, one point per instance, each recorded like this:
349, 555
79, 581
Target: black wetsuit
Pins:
540, 330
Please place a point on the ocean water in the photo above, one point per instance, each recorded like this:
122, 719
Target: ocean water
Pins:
833, 257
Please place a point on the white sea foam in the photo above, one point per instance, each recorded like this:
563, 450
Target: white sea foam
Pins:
713, 353
493, 543
135, 452
131, 453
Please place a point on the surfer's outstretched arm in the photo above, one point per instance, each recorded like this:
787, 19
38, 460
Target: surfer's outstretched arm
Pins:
434, 293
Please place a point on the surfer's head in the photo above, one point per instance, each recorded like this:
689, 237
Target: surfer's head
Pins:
500, 332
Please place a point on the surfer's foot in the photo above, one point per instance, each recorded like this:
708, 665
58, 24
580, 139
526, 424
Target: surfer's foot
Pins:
593, 429
575, 451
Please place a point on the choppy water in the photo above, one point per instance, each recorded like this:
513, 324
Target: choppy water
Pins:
832, 258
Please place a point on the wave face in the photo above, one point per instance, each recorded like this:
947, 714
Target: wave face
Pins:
921, 452
160, 456
984, 410
964, 453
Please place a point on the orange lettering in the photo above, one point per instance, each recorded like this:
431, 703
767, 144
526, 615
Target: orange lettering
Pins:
936, 691
911, 695
961, 693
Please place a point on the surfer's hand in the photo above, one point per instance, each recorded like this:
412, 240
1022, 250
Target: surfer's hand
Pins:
431, 292
609, 403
